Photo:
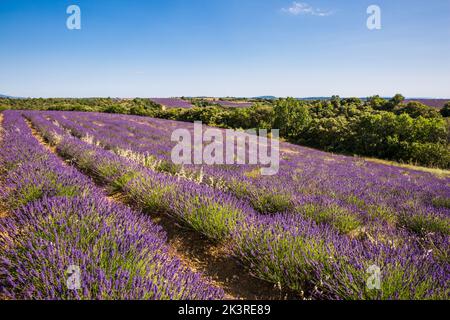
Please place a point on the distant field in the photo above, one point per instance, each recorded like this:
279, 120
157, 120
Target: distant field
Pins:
436, 103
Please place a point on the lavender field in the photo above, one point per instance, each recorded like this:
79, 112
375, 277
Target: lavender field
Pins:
89, 190
172, 102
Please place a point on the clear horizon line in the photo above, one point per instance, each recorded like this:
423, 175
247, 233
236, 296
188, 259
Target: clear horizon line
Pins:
207, 96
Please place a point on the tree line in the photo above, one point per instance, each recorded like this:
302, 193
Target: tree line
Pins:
374, 127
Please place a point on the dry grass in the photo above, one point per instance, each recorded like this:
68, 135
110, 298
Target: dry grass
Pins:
289, 151
440, 173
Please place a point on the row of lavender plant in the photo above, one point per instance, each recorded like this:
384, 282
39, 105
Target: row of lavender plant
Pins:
420, 202
286, 249
334, 213
112, 137
58, 218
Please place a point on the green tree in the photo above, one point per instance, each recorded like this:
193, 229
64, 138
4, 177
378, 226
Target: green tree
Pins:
416, 109
291, 118
336, 101
397, 99
445, 111
377, 103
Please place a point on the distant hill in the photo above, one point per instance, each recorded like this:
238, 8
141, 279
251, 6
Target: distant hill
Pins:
9, 97
266, 98
436, 103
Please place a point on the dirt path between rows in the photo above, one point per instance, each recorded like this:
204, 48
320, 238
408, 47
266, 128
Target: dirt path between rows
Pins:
202, 255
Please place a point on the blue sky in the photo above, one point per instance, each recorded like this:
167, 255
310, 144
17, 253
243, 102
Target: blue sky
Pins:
148, 48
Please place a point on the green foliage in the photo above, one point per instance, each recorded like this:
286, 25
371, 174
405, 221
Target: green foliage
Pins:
239, 188
441, 202
115, 108
169, 167
31, 191
290, 260
258, 116
395, 101
445, 111
26, 194
203, 103
212, 218
421, 140
279, 257
267, 202
424, 224
332, 134
417, 109
341, 219
384, 213
377, 103
137, 106
153, 198
121, 181
291, 118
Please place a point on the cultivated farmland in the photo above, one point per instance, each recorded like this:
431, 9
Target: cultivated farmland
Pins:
92, 190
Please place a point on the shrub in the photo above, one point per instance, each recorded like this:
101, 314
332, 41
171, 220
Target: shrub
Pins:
445, 111
423, 224
268, 202
441, 202
417, 109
